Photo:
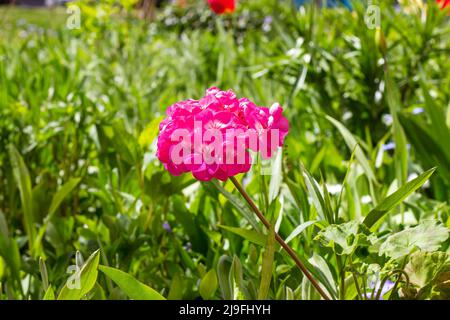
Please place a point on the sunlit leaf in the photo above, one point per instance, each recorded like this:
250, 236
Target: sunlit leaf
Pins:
397, 197
82, 280
208, 285
427, 236
133, 288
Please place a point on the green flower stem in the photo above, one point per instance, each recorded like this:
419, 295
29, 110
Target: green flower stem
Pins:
280, 240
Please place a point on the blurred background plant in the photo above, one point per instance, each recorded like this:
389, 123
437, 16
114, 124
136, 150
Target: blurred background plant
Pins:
369, 113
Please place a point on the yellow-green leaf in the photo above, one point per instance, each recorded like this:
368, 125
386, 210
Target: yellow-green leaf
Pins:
82, 281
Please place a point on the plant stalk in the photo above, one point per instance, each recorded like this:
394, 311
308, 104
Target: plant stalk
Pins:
280, 240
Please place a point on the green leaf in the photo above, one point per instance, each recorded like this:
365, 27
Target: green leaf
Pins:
238, 204
124, 143
133, 288
49, 294
176, 288
267, 265
429, 274
250, 235
237, 276
343, 238
149, 133
98, 293
427, 236
438, 127
44, 274
423, 267
191, 227
430, 150
62, 193
326, 276
401, 151
82, 281
317, 197
447, 122
9, 250
57, 199
226, 283
298, 230
23, 180
353, 145
208, 285
396, 198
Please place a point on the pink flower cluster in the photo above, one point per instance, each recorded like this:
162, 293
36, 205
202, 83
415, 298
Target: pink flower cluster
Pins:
211, 137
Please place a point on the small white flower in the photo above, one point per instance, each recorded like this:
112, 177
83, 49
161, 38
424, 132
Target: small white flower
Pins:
366, 199
387, 119
334, 188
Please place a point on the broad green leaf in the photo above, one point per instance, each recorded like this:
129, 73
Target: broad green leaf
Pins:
82, 281
298, 230
208, 285
343, 238
427, 236
423, 267
396, 198
23, 180
131, 286
49, 294
353, 145
250, 235
267, 264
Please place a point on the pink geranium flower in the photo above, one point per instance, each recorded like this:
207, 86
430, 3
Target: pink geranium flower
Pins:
211, 137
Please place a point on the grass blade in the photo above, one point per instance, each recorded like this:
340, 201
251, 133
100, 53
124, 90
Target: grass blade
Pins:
23, 180
396, 198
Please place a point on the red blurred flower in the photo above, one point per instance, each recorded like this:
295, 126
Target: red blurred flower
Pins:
443, 3
222, 6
